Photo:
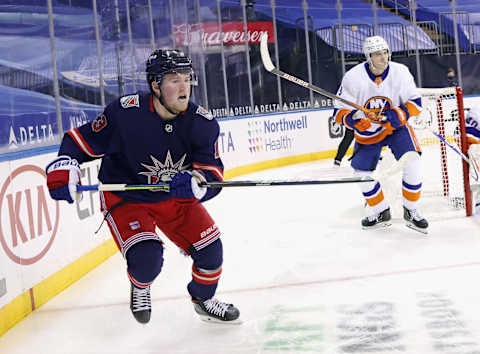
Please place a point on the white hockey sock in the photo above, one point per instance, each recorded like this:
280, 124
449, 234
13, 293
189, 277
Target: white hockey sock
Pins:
412, 183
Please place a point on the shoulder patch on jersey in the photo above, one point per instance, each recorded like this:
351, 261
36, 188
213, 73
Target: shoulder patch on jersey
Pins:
204, 113
99, 123
130, 101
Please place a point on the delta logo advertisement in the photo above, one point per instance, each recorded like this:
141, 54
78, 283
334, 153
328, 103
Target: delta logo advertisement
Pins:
274, 134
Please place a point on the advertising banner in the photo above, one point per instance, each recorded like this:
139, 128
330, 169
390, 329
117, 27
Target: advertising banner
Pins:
29, 119
249, 140
232, 33
39, 236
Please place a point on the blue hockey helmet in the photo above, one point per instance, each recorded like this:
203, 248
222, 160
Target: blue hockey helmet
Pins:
167, 61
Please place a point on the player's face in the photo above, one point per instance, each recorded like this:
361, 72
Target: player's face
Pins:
176, 91
379, 60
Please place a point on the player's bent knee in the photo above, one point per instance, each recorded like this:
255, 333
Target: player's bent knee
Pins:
412, 172
145, 260
210, 257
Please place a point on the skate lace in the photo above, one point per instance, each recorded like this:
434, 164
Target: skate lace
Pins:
216, 307
415, 215
141, 299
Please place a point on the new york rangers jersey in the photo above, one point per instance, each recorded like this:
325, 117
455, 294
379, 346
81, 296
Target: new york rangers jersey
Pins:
137, 146
395, 90
473, 125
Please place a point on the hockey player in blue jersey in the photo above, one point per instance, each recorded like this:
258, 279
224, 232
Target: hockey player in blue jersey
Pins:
159, 137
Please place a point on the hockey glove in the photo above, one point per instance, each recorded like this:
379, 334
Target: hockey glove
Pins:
63, 176
377, 118
186, 184
358, 120
396, 117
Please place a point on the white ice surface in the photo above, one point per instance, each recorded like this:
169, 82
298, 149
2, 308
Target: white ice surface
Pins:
305, 276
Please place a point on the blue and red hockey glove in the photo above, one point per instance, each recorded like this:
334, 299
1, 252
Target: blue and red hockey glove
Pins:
186, 184
63, 176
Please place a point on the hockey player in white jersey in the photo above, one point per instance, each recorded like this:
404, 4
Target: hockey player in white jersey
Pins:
473, 141
388, 91
473, 125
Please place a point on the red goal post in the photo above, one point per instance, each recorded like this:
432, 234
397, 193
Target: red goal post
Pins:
444, 114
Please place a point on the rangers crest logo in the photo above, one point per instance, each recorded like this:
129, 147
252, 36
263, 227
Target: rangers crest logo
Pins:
130, 101
204, 113
163, 172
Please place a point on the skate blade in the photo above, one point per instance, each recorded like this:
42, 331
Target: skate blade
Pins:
413, 227
209, 319
380, 225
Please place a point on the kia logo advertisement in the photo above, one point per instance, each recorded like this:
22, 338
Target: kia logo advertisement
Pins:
28, 216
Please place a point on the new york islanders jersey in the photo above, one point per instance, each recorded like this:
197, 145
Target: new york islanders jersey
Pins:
395, 90
473, 125
137, 146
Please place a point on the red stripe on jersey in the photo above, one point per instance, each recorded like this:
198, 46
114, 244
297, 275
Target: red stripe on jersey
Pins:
217, 171
152, 108
81, 143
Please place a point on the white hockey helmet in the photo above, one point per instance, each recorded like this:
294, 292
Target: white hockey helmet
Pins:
374, 44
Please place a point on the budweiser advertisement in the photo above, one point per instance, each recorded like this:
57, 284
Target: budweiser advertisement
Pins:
232, 33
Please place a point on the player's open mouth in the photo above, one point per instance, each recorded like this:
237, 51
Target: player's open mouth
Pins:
181, 98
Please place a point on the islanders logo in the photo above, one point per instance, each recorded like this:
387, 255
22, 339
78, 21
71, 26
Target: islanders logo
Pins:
378, 104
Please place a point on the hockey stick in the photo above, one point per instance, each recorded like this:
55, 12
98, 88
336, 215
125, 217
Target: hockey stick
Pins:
267, 63
122, 187
451, 146
401, 163
260, 183
474, 169
474, 164
247, 183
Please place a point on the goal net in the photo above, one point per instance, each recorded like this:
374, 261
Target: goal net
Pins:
440, 130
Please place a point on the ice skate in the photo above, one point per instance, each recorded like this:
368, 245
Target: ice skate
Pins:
415, 221
336, 163
140, 303
213, 310
377, 220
